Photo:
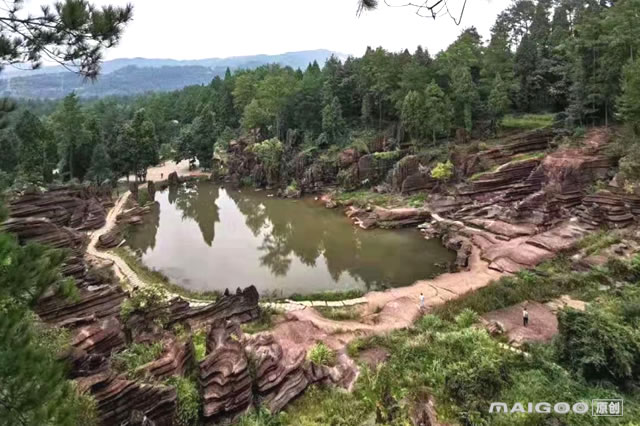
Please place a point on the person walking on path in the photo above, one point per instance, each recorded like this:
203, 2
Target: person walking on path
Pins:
525, 316
421, 301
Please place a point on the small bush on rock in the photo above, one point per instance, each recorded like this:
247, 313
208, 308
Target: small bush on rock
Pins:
442, 171
321, 354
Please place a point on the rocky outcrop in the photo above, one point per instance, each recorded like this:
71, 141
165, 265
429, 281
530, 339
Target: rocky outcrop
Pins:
133, 215
93, 344
240, 307
277, 375
280, 375
177, 358
387, 218
116, 398
372, 168
44, 231
77, 207
411, 174
96, 302
535, 141
224, 374
110, 239
606, 208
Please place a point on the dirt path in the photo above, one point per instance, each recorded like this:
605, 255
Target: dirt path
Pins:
162, 171
397, 308
123, 271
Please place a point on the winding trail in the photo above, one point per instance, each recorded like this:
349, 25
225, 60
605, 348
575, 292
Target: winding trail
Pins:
122, 270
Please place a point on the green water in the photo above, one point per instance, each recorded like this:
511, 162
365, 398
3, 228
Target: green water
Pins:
206, 237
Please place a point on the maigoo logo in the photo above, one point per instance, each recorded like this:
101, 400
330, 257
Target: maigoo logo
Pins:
599, 407
540, 407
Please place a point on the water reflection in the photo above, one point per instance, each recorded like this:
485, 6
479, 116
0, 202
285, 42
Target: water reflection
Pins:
246, 237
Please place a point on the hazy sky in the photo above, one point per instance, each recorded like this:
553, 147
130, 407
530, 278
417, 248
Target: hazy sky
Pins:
195, 29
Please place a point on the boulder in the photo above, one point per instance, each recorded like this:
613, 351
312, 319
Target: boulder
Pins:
347, 157
99, 301
387, 218
240, 307
224, 374
110, 239
117, 398
176, 360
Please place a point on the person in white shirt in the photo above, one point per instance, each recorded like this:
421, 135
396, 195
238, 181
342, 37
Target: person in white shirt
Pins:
421, 301
525, 316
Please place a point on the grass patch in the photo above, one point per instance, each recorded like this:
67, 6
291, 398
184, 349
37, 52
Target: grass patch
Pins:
519, 158
321, 354
594, 243
365, 198
548, 281
347, 313
188, 400
135, 356
418, 200
527, 121
200, 343
262, 323
155, 277
328, 296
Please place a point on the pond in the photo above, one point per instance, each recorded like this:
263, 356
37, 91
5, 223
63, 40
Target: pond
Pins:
205, 237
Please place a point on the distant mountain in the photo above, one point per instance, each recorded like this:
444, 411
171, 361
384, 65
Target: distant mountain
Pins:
138, 75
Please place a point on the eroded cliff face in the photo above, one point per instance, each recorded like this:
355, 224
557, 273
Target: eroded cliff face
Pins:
529, 207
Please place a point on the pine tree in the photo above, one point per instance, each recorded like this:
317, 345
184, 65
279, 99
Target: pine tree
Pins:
437, 111
73, 33
333, 125
413, 114
100, 169
34, 387
628, 103
465, 97
31, 154
498, 102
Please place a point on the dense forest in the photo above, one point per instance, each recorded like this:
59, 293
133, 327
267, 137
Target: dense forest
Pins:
574, 59
573, 64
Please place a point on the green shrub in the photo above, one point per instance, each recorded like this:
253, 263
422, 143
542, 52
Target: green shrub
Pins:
598, 345
135, 356
144, 299
594, 243
466, 318
269, 153
200, 344
261, 417
321, 354
188, 400
442, 171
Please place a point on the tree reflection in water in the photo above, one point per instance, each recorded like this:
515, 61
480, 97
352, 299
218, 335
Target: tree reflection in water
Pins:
284, 237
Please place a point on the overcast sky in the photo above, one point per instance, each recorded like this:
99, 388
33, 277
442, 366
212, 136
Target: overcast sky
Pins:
196, 29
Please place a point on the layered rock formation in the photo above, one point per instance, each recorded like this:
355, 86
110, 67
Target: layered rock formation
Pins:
240, 372
116, 398
387, 218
